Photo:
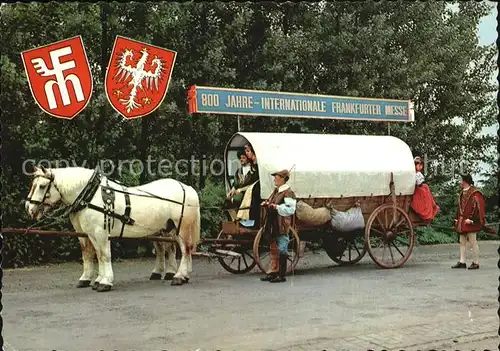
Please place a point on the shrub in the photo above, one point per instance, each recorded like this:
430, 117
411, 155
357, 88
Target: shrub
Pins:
212, 216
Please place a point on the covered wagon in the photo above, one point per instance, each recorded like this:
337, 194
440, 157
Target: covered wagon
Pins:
367, 180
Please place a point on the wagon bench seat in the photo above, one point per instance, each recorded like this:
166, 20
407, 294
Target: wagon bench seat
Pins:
235, 228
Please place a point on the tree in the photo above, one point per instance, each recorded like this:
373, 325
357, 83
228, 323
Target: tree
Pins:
372, 49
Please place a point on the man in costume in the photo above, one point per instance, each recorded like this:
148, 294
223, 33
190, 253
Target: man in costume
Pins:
469, 220
281, 206
243, 177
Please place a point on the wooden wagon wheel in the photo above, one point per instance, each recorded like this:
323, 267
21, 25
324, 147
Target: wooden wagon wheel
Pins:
387, 227
261, 252
344, 250
233, 264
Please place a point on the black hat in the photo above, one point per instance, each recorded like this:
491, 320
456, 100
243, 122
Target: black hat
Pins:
468, 179
241, 152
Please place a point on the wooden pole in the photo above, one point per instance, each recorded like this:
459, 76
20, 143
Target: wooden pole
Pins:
148, 238
41, 232
225, 241
77, 234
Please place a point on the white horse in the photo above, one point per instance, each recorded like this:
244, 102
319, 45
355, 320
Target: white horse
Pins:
164, 205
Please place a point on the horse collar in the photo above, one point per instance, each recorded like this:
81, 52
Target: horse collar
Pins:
88, 192
108, 198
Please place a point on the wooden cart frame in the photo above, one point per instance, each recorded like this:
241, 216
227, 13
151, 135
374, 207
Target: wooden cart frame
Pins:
388, 236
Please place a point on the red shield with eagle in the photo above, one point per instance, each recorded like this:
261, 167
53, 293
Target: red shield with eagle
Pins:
138, 76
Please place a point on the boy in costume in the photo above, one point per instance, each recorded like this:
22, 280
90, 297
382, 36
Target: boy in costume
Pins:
281, 206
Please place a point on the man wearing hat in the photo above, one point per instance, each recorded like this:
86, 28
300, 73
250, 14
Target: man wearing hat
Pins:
243, 178
469, 220
281, 206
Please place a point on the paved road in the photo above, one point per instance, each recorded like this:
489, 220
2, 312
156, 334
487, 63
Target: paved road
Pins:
422, 305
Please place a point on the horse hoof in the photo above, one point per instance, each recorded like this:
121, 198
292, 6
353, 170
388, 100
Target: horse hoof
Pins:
83, 284
155, 276
103, 288
95, 285
177, 281
169, 276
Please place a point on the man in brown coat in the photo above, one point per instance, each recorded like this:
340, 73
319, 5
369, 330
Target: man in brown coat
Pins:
281, 207
243, 178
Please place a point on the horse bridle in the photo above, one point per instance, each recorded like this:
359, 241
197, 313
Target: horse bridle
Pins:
83, 198
46, 195
81, 202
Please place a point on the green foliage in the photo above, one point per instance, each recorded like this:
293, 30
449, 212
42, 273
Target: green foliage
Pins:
490, 192
212, 216
429, 236
18, 250
370, 49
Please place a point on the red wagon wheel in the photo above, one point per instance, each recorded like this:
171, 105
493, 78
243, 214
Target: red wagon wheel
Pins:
261, 251
389, 234
235, 264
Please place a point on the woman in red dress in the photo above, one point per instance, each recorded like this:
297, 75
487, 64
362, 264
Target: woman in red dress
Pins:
423, 202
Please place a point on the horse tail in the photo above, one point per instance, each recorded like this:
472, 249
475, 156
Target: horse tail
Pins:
197, 224
190, 227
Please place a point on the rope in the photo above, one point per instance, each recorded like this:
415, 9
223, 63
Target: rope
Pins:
150, 195
65, 210
52, 218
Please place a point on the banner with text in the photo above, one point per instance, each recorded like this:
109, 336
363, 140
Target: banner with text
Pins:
282, 104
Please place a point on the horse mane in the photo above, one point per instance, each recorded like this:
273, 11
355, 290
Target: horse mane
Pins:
70, 178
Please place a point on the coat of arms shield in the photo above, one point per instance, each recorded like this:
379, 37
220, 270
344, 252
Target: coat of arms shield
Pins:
138, 77
59, 77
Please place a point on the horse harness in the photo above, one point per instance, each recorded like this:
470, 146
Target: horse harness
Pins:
85, 197
46, 195
108, 197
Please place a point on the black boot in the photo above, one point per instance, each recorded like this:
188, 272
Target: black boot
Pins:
282, 269
269, 276
459, 265
474, 266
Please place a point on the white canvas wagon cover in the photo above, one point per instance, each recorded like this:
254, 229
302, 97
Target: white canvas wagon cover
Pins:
328, 165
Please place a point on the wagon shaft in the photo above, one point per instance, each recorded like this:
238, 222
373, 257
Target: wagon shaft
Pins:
148, 238
227, 253
225, 241
42, 232
77, 234
205, 254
